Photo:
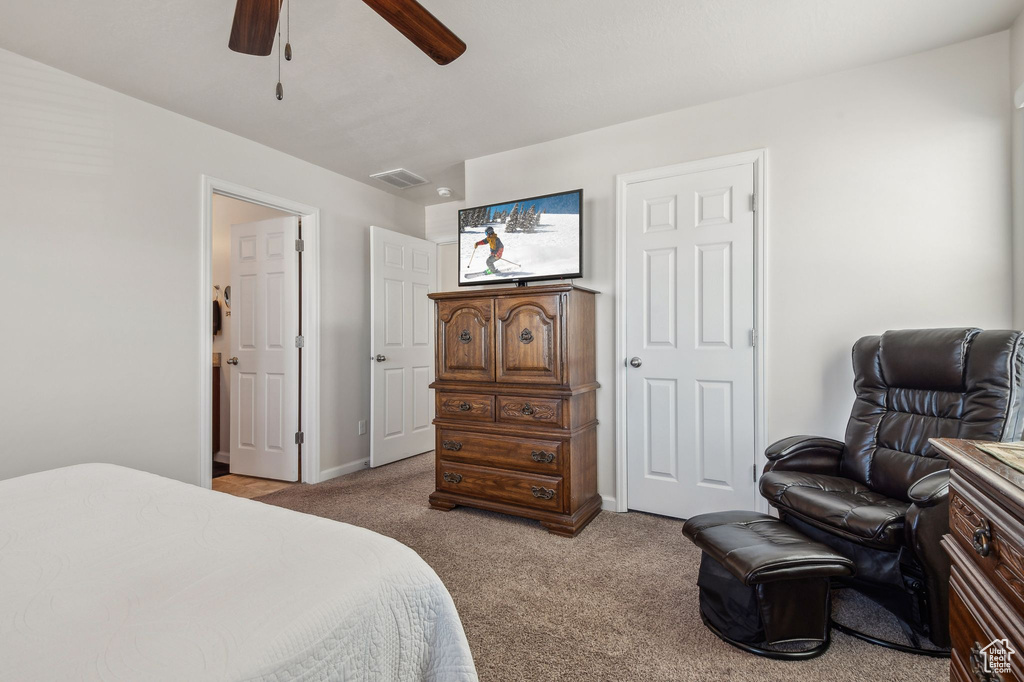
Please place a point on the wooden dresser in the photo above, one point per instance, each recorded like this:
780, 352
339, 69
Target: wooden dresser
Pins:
516, 411
986, 549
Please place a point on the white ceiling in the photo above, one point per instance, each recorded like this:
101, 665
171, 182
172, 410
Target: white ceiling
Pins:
359, 98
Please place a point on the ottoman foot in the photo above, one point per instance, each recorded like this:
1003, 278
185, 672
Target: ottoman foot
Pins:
905, 648
800, 655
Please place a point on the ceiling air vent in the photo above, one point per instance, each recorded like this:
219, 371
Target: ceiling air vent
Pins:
400, 178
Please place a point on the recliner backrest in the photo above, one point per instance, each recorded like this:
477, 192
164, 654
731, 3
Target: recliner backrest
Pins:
917, 384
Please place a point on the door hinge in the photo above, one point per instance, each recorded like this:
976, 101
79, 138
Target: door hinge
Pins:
300, 437
300, 341
753, 338
754, 472
753, 202
300, 245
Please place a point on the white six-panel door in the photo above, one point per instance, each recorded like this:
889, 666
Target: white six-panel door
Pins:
402, 344
689, 300
264, 324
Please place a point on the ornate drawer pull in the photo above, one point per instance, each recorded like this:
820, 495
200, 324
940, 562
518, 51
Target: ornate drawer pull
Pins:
983, 539
542, 493
526, 336
977, 661
465, 407
452, 445
465, 336
541, 456
527, 409
451, 478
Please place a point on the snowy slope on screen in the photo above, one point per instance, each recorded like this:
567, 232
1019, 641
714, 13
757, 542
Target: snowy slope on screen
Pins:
553, 249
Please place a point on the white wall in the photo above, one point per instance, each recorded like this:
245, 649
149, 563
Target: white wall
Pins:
1016, 89
441, 225
99, 269
227, 212
448, 266
888, 207
441, 221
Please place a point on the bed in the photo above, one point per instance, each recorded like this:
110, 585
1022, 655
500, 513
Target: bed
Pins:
108, 573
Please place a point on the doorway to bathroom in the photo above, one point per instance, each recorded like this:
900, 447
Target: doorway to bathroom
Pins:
253, 389
261, 319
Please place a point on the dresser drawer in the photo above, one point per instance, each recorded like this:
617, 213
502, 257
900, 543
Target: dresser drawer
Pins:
468, 406
529, 490
999, 555
506, 452
514, 409
976, 622
969, 645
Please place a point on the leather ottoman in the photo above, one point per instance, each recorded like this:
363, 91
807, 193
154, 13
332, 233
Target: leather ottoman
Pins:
763, 583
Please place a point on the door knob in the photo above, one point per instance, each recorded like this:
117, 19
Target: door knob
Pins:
635, 361
380, 358
232, 361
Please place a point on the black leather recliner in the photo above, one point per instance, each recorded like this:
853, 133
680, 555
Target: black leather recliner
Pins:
880, 497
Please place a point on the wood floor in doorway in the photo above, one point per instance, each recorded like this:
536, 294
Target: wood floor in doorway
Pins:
248, 486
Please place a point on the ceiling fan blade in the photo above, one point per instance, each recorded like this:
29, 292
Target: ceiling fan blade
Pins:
255, 26
421, 27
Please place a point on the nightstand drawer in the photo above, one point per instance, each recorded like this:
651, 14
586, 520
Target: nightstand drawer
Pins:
980, 628
992, 540
529, 490
505, 452
468, 406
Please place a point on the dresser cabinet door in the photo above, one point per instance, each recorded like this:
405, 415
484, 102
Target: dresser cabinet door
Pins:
465, 344
529, 340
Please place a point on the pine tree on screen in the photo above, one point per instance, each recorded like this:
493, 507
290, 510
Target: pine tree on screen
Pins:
529, 218
512, 225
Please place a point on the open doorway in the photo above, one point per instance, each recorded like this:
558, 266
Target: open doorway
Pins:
260, 398
231, 214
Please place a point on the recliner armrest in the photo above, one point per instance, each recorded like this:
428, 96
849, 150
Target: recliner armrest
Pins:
793, 444
809, 454
930, 490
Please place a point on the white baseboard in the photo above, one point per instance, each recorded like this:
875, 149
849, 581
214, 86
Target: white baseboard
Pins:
222, 457
608, 503
350, 468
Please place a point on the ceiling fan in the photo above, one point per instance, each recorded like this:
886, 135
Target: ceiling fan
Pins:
256, 23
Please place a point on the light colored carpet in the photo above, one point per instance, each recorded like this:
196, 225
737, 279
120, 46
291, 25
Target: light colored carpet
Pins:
618, 602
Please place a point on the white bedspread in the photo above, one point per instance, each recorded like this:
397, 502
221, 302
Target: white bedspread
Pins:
108, 573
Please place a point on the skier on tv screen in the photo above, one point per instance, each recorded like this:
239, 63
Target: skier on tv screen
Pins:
497, 248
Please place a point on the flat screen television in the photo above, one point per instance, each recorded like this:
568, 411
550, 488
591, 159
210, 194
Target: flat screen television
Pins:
521, 241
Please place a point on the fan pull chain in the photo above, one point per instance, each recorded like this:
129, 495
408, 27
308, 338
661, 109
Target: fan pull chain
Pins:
288, 40
280, 88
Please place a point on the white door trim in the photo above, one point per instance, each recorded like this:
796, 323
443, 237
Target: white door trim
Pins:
310, 411
759, 157
438, 245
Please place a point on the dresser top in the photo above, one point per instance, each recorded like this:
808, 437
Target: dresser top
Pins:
481, 292
966, 457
